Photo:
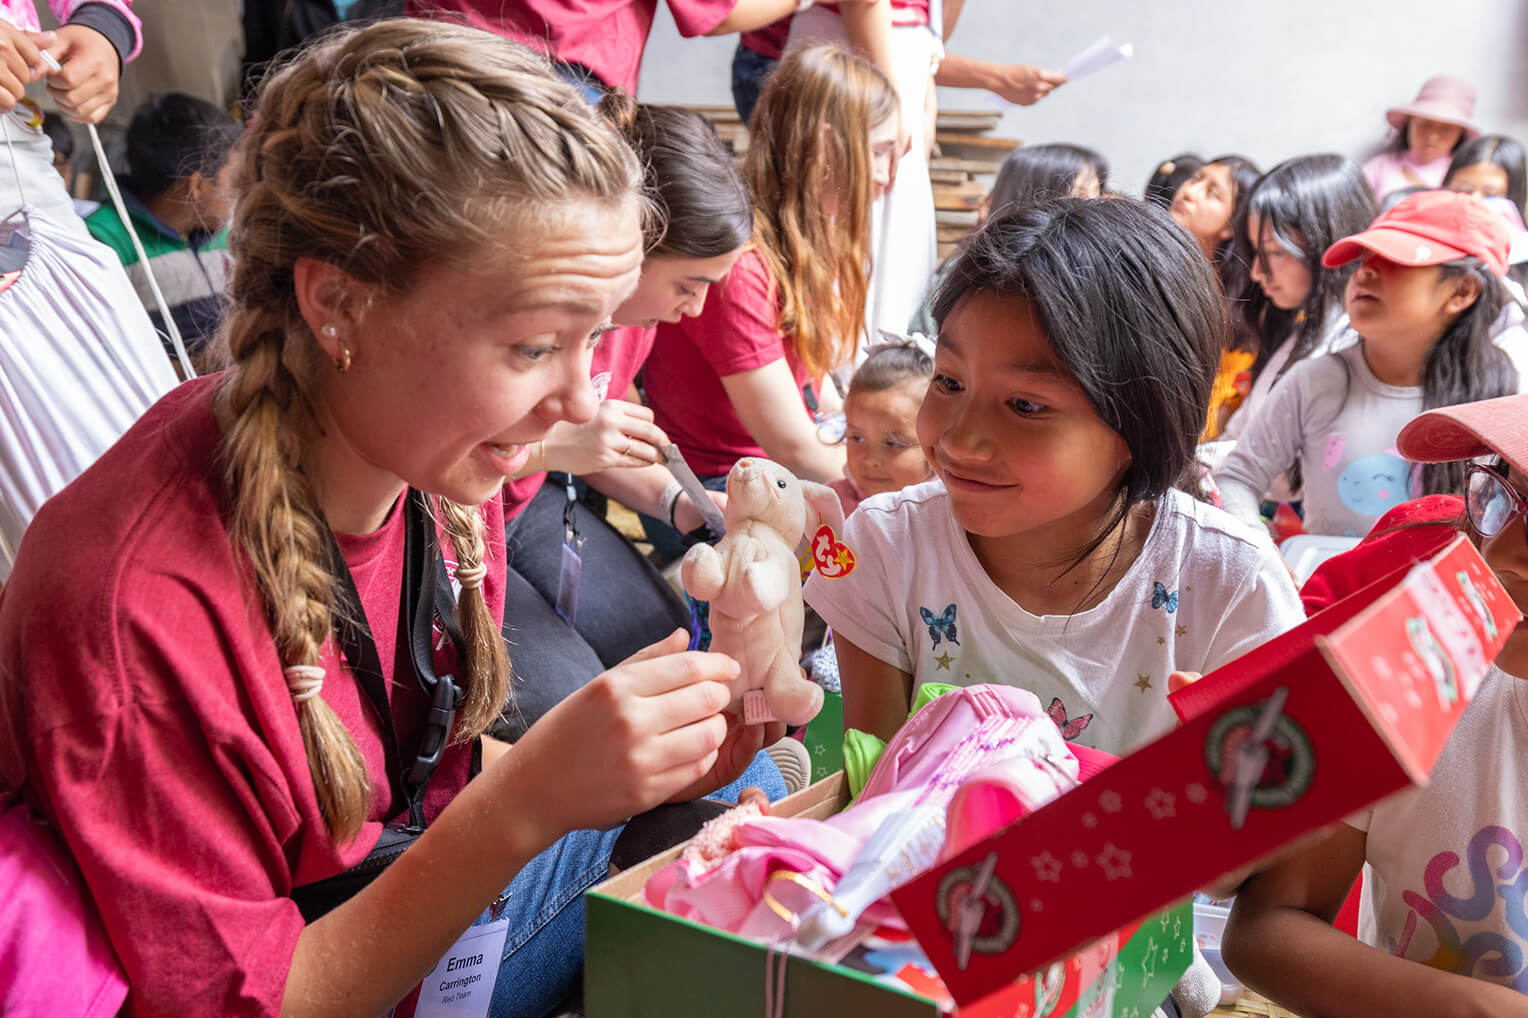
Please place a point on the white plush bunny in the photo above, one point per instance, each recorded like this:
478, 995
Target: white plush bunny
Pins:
752, 578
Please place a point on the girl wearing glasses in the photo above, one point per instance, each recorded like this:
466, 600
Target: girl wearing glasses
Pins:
1446, 880
1422, 300
1291, 306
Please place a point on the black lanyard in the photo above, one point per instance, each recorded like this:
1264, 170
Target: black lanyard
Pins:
426, 595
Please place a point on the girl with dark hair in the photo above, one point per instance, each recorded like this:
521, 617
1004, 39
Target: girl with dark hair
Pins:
880, 423
1040, 172
1208, 207
1206, 204
1170, 175
1291, 305
571, 631
1491, 166
1427, 131
1077, 342
1422, 300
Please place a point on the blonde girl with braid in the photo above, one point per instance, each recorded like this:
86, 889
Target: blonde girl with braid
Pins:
429, 234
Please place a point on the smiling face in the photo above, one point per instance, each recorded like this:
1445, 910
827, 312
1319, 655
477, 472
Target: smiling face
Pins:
1285, 279
1431, 139
453, 380
673, 287
881, 436
1203, 205
1026, 459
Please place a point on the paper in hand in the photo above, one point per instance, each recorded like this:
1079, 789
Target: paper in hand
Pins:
1096, 57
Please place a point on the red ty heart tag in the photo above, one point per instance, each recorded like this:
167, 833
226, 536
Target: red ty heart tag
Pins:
832, 557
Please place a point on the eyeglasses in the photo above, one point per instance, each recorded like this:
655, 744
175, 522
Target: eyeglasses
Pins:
1490, 503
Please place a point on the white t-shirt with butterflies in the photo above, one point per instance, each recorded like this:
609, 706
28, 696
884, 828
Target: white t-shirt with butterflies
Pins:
1205, 589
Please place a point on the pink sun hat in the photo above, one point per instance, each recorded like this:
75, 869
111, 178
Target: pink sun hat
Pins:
1443, 98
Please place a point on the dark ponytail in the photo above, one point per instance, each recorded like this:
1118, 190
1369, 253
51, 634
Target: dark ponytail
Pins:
703, 208
1465, 366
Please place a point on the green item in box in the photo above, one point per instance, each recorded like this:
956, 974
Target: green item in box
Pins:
824, 737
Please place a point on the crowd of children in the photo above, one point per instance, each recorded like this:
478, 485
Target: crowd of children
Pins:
398, 472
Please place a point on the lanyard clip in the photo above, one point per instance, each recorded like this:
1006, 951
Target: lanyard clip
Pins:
432, 742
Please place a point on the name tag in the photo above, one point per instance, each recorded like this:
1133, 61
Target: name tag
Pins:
461, 986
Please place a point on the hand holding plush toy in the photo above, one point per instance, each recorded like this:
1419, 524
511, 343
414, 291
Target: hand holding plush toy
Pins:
752, 578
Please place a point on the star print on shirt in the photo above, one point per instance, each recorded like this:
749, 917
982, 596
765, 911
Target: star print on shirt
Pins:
1143, 682
1180, 630
1161, 641
943, 661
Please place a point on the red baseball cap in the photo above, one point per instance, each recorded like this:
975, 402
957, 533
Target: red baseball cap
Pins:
1490, 427
1430, 228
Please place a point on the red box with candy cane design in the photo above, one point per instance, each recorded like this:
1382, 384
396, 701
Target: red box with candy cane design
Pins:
1351, 706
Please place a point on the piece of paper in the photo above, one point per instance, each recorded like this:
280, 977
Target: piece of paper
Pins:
1096, 57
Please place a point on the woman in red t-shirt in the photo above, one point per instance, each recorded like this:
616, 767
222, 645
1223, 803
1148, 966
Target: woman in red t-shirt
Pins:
429, 228
744, 377
621, 602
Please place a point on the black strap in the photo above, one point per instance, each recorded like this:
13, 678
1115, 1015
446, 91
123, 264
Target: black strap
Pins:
426, 595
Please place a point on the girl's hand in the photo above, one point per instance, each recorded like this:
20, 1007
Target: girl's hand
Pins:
1026, 85
86, 88
741, 745
688, 518
639, 734
1182, 680
20, 62
620, 434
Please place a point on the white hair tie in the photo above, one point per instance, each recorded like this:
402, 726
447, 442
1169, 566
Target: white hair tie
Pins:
471, 577
304, 681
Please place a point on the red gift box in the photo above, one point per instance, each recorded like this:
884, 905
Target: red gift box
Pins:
1346, 709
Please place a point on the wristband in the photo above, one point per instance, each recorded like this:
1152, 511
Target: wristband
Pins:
669, 501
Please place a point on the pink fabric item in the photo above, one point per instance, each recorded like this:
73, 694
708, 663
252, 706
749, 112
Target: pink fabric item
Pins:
987, 751
22, 14
55, 960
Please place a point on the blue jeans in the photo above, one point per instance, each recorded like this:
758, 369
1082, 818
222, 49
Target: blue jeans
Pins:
544, 951
749, 69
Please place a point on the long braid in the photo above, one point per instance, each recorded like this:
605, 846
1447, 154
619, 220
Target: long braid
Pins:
377, 150
487, 664
276, 520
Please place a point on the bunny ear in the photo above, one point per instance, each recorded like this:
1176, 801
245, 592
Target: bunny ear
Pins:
822, 507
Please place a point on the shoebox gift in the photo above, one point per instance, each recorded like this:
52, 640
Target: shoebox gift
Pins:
1346, 709
640, 961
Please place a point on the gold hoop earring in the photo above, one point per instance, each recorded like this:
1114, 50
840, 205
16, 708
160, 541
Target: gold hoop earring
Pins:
342, 362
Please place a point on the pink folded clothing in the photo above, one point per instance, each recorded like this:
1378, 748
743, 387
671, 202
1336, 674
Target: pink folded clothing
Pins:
55, 959
970, 763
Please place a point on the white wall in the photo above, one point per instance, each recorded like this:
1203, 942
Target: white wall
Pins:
1268, 79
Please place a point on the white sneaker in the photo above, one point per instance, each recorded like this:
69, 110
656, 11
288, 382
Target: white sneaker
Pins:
794, 761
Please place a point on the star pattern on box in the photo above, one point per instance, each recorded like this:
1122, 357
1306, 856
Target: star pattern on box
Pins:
1149, 963
1196, 794
1089, 820
1110, 802
1080, 859
1115, 862
1161, 805
1047, 867
1036, 905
